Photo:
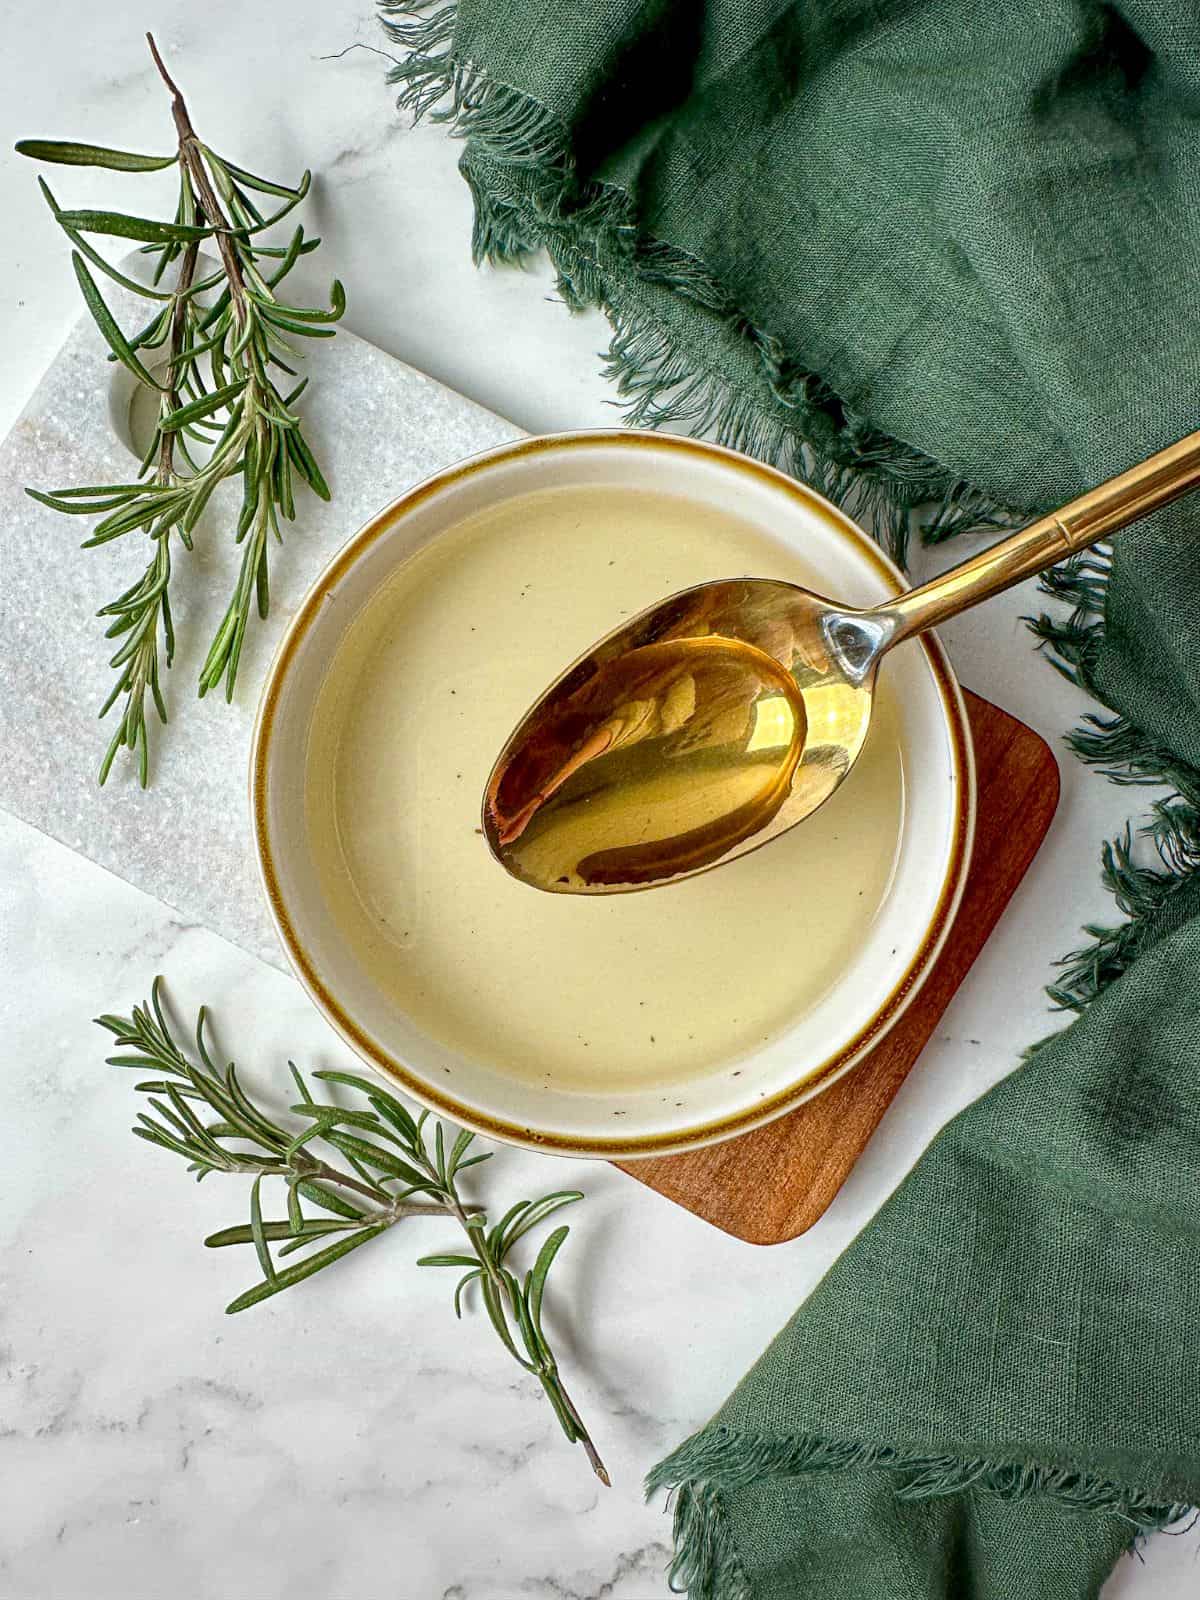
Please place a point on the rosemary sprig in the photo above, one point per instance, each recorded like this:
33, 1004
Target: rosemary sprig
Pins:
382, 1172
220, 412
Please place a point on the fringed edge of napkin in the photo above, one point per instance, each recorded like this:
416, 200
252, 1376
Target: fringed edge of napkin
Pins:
529, 197
1125, 754
707, 1565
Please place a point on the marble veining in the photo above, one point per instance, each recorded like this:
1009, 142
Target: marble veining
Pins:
349, 1438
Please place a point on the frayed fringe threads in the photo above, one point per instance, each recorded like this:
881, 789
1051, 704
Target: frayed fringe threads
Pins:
706, 1564
1124, 754
528, 197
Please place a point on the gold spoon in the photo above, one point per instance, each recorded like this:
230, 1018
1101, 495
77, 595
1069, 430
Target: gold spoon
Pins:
724, 715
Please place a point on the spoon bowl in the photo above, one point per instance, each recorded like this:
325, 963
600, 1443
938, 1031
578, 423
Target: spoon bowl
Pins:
697, 731
651, 763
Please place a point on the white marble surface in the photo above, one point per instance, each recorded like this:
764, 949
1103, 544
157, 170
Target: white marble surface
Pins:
349, 1438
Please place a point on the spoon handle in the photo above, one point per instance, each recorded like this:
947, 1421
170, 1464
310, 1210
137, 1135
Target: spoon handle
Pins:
1080, 523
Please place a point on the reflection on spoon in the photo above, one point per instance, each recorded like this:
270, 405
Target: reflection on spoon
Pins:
647, 766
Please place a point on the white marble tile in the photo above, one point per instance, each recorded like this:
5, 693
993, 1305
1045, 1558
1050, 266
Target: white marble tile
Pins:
350, 1438
376, 425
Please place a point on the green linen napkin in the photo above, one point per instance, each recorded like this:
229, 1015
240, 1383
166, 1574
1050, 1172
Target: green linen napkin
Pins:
942, 258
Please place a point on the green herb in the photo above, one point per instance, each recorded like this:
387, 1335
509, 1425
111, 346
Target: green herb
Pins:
220, 412
383, 1171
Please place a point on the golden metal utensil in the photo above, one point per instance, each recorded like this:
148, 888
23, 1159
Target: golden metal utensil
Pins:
722, 716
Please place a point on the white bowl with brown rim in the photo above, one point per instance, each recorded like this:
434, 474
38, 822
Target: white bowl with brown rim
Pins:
631, 1112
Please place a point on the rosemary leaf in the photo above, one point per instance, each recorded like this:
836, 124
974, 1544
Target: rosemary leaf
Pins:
97, 260
91, 155
107, 324
274, 1230
257, 1233
262, 185
541, 1268
303, 1269
215, 400
120, 226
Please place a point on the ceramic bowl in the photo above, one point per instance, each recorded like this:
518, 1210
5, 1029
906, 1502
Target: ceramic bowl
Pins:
876, 986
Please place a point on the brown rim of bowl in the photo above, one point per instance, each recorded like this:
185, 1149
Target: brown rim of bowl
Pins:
402, 1076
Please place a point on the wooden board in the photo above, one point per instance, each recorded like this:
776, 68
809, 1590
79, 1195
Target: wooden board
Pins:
772, 1184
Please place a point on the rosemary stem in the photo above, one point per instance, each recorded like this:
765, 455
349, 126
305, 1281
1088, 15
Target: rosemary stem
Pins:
321, 1172
478, 1246
581, 1433
171, 399
192, 158
412, 1208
